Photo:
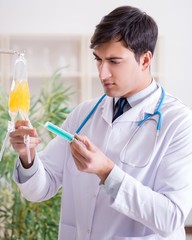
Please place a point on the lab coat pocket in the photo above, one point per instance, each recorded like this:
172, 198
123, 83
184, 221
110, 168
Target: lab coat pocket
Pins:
67, 232
149, 237
139, 149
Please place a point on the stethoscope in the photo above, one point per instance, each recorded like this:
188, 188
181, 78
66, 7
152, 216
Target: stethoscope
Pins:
146, 117
140, 161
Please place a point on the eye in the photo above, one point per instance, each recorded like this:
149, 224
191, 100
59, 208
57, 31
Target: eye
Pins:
114, 61
97, 59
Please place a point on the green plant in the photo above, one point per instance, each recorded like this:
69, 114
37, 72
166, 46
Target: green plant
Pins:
20, 219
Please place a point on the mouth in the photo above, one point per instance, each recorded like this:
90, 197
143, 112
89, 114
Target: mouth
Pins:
108, 84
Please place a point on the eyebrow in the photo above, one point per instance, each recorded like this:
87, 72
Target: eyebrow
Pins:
109, 58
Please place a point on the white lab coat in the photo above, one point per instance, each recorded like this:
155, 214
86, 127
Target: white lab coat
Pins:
154, 198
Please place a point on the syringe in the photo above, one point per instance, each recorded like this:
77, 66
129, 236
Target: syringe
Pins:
59, 131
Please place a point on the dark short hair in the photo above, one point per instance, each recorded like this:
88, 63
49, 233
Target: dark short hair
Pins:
135, 28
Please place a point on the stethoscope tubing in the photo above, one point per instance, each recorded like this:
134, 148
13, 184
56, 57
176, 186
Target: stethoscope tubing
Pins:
90, 114
156, 112
147, 116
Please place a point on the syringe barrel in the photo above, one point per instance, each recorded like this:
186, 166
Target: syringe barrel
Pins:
59, 131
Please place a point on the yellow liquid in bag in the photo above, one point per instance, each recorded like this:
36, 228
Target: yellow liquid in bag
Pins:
14, 97
25, 97
19, 98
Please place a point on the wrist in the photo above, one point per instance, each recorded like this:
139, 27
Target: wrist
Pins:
105, 172
25, 162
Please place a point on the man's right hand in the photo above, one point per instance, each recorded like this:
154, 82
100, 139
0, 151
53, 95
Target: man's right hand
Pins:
17, 141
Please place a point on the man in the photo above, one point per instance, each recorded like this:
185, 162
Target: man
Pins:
127, 176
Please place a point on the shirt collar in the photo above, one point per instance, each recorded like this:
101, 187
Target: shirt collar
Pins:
140, 96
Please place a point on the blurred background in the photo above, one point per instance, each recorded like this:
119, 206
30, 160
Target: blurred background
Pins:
55, 34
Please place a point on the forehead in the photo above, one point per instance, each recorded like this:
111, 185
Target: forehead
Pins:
112, 48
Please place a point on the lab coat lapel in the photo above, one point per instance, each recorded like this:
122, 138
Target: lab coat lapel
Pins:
107, 109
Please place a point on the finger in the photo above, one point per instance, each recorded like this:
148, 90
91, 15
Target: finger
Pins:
34, 141
23, 131
14, 138
17, 139
85, 141
80, 163
20, 146
20, 123
76, 152
28, 131
78, 149
80, 138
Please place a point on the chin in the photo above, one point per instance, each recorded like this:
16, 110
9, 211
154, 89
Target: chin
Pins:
110, 93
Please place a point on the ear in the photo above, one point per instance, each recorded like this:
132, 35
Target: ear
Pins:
146, 60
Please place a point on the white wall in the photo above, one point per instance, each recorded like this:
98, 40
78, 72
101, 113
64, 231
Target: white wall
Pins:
174, 18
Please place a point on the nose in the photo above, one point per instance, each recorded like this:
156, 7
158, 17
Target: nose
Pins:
104, 71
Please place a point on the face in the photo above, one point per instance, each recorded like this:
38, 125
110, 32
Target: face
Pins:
120, 74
